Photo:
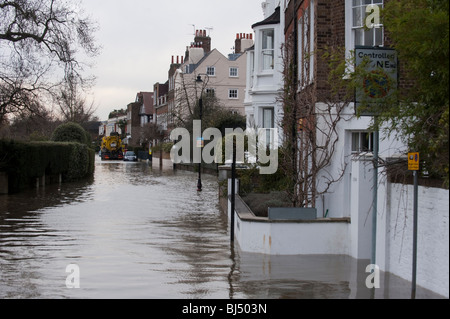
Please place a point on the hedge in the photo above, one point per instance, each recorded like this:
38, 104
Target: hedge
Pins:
24, 162
71, 132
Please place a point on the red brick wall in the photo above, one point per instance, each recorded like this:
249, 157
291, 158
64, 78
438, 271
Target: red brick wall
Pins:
329, 25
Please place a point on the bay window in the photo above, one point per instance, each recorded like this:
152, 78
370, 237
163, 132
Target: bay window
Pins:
268, 52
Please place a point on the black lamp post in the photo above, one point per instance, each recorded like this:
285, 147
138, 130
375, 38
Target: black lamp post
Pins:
200, 105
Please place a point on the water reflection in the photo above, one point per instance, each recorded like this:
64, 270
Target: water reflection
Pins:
138, 232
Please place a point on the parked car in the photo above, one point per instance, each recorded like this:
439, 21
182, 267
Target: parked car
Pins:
130, 157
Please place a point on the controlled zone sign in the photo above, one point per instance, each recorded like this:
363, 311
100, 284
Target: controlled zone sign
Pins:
381, 77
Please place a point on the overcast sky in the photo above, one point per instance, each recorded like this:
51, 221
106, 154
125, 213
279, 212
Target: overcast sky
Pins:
139, 37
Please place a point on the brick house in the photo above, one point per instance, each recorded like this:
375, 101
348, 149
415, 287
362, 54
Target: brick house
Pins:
147, 110
133, 124
343, 187
161, 105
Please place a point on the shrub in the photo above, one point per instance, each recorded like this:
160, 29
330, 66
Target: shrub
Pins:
24, 162
70, 132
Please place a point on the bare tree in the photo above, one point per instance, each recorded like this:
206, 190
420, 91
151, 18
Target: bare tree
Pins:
34, 126
310, 124
153, 133
39, 43
72, 104
187, 98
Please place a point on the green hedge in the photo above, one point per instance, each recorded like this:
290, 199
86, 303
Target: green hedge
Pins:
24, 162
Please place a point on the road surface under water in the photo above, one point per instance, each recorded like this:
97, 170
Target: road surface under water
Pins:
134, 231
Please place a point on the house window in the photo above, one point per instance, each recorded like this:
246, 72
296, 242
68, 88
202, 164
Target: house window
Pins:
268, 53
306, 45
362, 35
362, 142
268, 124
211, 71
234, 73
233, 94
210, 92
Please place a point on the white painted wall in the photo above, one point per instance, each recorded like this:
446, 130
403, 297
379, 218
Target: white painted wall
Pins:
292, 238
340, 196
361, 194
395, 234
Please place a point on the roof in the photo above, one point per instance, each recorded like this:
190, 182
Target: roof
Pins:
147, 102
193, 67
273, 19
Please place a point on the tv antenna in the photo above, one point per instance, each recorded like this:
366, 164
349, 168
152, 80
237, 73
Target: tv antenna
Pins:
193, 25
209, 30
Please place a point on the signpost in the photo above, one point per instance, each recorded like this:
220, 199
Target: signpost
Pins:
413, 165
379, 84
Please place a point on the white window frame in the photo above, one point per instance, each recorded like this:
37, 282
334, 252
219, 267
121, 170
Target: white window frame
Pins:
211, 71
367, 37
234, 72
211, 92
362, 142
267, 51
268, 115
233, 94
306, 46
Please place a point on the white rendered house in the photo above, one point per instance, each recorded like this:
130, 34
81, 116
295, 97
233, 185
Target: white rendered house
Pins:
264, 70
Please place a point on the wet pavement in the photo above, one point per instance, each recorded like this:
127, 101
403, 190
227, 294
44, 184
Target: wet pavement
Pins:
134, 231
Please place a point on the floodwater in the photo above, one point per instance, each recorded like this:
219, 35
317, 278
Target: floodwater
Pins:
134, 231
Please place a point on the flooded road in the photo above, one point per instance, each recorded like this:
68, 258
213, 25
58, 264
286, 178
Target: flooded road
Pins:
138, 232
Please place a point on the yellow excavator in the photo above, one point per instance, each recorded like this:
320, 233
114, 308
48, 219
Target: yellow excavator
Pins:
112, 148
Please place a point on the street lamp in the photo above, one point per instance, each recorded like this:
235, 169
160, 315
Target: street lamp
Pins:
200, 105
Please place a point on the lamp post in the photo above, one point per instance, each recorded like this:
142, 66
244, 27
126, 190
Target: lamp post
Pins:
200, 105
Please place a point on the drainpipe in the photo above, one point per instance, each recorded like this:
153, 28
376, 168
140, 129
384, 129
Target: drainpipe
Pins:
233, 191
376, 145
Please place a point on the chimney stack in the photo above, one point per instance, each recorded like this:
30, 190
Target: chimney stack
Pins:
203, 40
243, 42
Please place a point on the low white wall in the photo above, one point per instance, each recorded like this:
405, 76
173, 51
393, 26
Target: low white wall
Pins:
320, 237
395, 234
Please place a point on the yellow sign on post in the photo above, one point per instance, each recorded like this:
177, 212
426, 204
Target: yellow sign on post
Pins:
413, 161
